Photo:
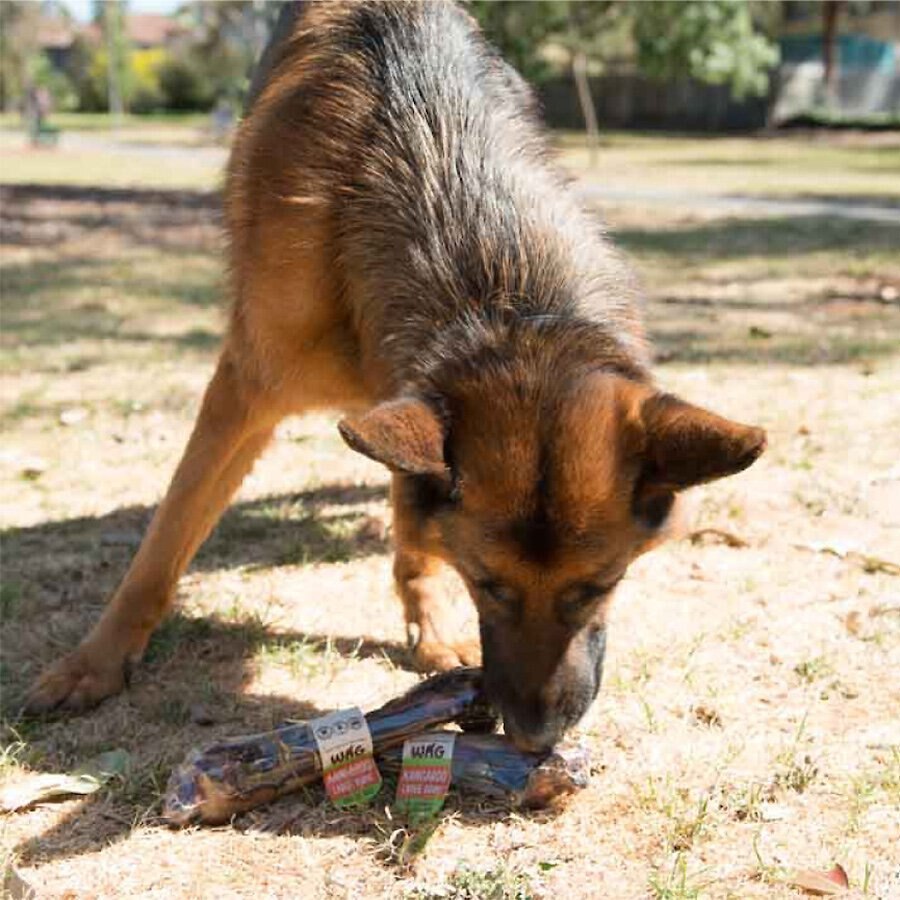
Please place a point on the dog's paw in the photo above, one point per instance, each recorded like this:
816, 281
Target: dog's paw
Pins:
75, 683
469, 652
433, 656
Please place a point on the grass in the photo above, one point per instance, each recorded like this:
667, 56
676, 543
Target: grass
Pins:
831, 166
80, 121
737, 735
675, 884
786, 165
473, 884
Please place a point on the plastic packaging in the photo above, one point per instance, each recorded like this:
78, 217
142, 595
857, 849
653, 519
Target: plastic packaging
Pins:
229, 777
490, 765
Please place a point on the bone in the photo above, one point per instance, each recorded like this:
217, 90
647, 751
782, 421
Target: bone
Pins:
229, 777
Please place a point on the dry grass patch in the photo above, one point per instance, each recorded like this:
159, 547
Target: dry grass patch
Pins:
747, 725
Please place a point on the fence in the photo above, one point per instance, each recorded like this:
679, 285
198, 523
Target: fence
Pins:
635, 101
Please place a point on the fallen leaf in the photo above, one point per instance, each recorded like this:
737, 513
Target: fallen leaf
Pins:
43, 788
853, 622
820, 884
839, 547
774, 812
706, 715
107, 765
875, 563
839, 875
32, 468
46, 787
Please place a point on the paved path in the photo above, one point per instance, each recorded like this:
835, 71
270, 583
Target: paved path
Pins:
741, 205
745, 205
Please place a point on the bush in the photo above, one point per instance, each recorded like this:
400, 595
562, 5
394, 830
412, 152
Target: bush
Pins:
61, 89
146, 86
184, 85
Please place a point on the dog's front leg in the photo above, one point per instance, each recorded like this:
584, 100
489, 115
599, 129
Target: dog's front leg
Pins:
234, 426
429, 623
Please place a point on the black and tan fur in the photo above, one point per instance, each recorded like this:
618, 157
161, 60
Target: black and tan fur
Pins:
402, 249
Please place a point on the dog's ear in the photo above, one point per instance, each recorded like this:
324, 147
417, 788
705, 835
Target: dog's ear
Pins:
679, 445
405, 434
684, 445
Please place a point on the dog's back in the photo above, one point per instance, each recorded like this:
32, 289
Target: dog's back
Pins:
393, 139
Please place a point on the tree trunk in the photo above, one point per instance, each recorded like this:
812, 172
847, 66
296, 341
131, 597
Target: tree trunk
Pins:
579, 70
830, 13
114, 14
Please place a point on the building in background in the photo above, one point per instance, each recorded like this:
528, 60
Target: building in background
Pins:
865, 50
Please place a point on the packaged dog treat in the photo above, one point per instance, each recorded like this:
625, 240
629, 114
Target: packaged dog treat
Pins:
345, 750
228, 777
490, 765
217, 782
426, 769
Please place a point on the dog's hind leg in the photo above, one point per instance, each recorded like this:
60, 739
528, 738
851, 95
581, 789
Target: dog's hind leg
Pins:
235, 423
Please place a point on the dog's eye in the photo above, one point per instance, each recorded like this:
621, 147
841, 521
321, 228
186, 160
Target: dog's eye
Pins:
580, 598
496, 592
584, 595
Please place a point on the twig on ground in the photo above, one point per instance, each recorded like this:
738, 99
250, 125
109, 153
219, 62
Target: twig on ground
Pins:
866, 561
718, 535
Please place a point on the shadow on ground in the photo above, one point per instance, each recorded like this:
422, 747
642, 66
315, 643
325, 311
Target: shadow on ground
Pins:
191, 687
93, 551
782, 237
36, 215
189, 691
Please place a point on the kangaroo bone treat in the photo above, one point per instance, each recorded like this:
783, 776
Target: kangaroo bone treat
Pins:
229, 777
490, 765
223, 779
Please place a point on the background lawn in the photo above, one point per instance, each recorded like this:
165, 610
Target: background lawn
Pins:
747, 726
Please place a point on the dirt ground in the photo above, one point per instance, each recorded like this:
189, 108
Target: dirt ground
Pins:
748, 723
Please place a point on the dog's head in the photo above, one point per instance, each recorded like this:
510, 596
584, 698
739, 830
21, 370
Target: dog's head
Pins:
540, 498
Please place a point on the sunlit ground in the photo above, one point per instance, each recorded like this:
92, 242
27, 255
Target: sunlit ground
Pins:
748, 724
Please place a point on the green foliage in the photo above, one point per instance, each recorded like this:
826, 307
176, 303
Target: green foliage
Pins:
42, 74
215, 63
90, 95
18, 45
519, 30
711, 40
146, 85
184, 83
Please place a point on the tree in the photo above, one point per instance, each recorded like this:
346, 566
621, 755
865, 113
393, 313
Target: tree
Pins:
520, 29
831, 10
18, 47
226, 41
110, 16
711, 40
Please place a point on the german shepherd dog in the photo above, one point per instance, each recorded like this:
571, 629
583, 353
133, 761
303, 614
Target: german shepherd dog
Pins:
403, 250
